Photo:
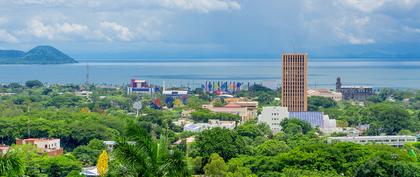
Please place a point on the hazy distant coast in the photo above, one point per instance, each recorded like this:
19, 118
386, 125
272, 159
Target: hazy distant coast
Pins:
37, 55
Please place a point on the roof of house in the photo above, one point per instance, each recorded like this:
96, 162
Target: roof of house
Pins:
233, 105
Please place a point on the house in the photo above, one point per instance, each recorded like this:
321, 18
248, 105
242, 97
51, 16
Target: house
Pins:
245, 110
397, 141
50, 146
322, 92
4, 149
272, 116
109, 145
83, 93
213, 123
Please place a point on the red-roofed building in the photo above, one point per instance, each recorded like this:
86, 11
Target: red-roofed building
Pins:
4, 149
45, 145
246, 110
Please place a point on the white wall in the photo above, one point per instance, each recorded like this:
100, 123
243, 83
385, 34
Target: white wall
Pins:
273, 116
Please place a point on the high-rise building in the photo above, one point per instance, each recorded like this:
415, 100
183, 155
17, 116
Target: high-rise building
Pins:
295, 82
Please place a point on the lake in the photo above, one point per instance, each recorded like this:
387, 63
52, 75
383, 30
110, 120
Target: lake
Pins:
395, 73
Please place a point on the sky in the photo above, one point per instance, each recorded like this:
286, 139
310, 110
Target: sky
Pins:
213, 28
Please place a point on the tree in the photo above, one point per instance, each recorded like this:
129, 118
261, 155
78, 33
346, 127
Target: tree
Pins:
253, 129
146, 157
11, 165
388, 118
216, 166
102, 164
59, 166
272, 147
33, 83
295, 126
225, 142
88, 154
317, 102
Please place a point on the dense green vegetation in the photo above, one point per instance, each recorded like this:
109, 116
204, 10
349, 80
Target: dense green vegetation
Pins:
83, 123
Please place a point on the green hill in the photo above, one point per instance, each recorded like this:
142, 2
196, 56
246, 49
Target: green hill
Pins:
37, 55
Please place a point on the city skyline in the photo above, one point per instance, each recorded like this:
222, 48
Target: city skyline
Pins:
213, 28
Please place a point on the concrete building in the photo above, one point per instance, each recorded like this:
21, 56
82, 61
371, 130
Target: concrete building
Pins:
213, 123
388, 140
4, 149
83, 93
141, 87
295, 81
45, 145
356, 93
273, 116
322, 92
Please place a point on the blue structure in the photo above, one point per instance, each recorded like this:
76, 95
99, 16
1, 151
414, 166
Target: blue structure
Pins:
316, 119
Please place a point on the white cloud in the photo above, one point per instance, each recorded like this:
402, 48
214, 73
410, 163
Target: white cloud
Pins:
7, 37
376, 5
196, 5
413, 30
202, 5
364, 5
55, 31
122, 33
352, 39
3, 20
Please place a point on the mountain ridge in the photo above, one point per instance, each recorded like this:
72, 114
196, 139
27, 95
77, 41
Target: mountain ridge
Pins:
42, 54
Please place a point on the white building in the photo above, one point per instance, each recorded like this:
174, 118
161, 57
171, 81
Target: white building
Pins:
213, 123
273, 116
388, 140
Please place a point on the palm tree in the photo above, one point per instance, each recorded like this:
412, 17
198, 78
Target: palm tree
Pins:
11, 165
147, 157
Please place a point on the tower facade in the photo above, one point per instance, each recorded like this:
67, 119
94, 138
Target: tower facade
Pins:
338, 85
295, 82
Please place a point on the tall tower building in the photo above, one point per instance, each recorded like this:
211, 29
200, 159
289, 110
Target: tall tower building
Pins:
295, 82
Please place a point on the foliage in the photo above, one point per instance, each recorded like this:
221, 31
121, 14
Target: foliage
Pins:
317, 102
88, 154
11, 165
225, 142
216, 166
295, 126
33, 83
388, 118
252, 129
146, 157
204, 115
272, 147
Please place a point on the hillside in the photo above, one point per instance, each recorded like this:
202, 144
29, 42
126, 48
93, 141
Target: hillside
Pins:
37, 55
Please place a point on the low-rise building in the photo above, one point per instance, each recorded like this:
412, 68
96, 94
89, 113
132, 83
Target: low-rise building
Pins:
141, 87
322, 92
353, 92
50, 146
273, 116
109, 145
244, 110
4, 149
213, 123
83, 93
388, 140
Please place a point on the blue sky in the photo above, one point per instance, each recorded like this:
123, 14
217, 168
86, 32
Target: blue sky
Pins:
213, 28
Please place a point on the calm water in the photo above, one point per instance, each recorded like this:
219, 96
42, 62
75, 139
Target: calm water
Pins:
396, 73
